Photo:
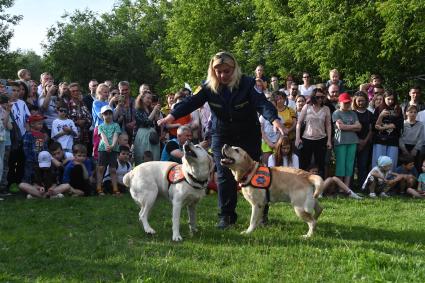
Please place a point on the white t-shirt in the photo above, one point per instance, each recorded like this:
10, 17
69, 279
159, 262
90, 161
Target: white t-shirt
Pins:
20, 113
295, 161
122, 169
306, 92
268, 130
421, 117
66, 140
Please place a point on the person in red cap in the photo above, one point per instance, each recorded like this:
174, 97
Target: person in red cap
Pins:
34, 142
346, 125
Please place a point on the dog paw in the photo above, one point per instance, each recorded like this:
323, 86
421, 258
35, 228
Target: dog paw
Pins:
177, 238
193, 230
246, 232
306, 236
150, 231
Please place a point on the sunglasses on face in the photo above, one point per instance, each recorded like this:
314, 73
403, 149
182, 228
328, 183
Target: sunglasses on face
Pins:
62, 110
306, 77
320, 96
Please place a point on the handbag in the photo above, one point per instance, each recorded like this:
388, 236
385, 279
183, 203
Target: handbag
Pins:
153, 138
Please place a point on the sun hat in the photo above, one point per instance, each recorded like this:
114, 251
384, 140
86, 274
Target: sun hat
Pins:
384, 161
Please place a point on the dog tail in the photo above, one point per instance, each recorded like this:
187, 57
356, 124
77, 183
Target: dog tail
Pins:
317, 182
127, 178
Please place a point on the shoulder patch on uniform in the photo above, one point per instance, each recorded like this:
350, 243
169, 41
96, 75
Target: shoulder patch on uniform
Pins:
257, 90
197, 90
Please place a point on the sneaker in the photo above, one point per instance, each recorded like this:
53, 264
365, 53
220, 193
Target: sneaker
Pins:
57, 196
372, 195
384, 195
29, 196
354, 195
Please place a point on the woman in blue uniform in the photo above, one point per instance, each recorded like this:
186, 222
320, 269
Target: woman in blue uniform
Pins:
234, 104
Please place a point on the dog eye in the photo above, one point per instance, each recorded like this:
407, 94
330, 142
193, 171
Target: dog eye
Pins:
237, 150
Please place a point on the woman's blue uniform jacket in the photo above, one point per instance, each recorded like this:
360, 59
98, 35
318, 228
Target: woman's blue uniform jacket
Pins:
238, 115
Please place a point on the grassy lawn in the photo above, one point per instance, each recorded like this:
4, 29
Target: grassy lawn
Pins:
100, 240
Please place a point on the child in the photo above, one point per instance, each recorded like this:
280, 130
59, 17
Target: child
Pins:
412, 138
380, 178
24, 75
408, 171
64, 129
124, 166
108, 149
79, 171
44, 182
346, 125
334, 79
334, 184
420, 190
34, 142
102, 93
284, 155
5, 127
59, 158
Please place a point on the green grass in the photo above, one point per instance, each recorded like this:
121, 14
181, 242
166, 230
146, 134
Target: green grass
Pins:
100, 240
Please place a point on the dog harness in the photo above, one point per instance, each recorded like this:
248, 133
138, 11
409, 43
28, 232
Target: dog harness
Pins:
261, 179
175, 175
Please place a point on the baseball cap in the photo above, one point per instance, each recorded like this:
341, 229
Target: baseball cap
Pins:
344, 98
44, 159
105, 108
35, 118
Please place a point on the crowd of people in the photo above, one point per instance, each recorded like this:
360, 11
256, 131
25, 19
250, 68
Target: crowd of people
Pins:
56, 140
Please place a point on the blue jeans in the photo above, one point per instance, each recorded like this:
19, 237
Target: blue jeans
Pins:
226, 184
388, 150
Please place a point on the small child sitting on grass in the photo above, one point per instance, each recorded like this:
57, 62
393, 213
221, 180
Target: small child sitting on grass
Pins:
380, 179
409, 173
124, 166
45, 182
78, 172
420, 190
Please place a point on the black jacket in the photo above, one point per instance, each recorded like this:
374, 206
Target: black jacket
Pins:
236, 116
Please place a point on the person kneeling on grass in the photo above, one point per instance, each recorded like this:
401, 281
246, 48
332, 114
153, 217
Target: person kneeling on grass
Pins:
44, 182
420, 190
78, 172
124, 166
334, 184
380, 179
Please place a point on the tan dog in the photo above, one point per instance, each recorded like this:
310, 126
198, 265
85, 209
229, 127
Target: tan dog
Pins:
287, 184
149, 179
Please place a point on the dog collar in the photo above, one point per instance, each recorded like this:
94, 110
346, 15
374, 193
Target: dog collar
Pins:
203, 184
245, 180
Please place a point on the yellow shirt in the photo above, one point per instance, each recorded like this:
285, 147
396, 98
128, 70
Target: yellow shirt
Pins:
288, 115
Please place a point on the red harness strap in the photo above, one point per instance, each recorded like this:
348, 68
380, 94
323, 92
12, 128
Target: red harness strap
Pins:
175, 174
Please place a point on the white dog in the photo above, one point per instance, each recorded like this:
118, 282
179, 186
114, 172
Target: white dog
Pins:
184, 185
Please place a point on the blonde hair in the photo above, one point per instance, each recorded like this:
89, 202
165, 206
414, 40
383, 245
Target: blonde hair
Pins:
99, 88
334, 71
219, 59
22, 72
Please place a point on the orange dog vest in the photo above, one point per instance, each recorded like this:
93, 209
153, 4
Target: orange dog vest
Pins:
175, 174
261, 179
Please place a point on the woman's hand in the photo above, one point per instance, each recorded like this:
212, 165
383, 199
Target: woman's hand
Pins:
278, 126
298, 142
167, 120
329, 144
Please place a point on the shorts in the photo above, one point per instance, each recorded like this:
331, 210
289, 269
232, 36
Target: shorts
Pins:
107, 159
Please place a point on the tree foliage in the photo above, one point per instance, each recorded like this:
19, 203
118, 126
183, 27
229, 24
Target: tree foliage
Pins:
167, 43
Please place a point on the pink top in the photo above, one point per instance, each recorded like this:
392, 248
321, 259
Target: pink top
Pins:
315, 123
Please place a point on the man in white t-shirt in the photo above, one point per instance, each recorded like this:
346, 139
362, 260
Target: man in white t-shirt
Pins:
124, 166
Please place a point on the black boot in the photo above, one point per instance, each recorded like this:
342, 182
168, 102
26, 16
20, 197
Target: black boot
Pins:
225, 222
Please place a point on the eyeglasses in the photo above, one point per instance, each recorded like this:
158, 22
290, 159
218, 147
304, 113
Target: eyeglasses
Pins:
62, 110
306, 77
320, 96
94, 85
